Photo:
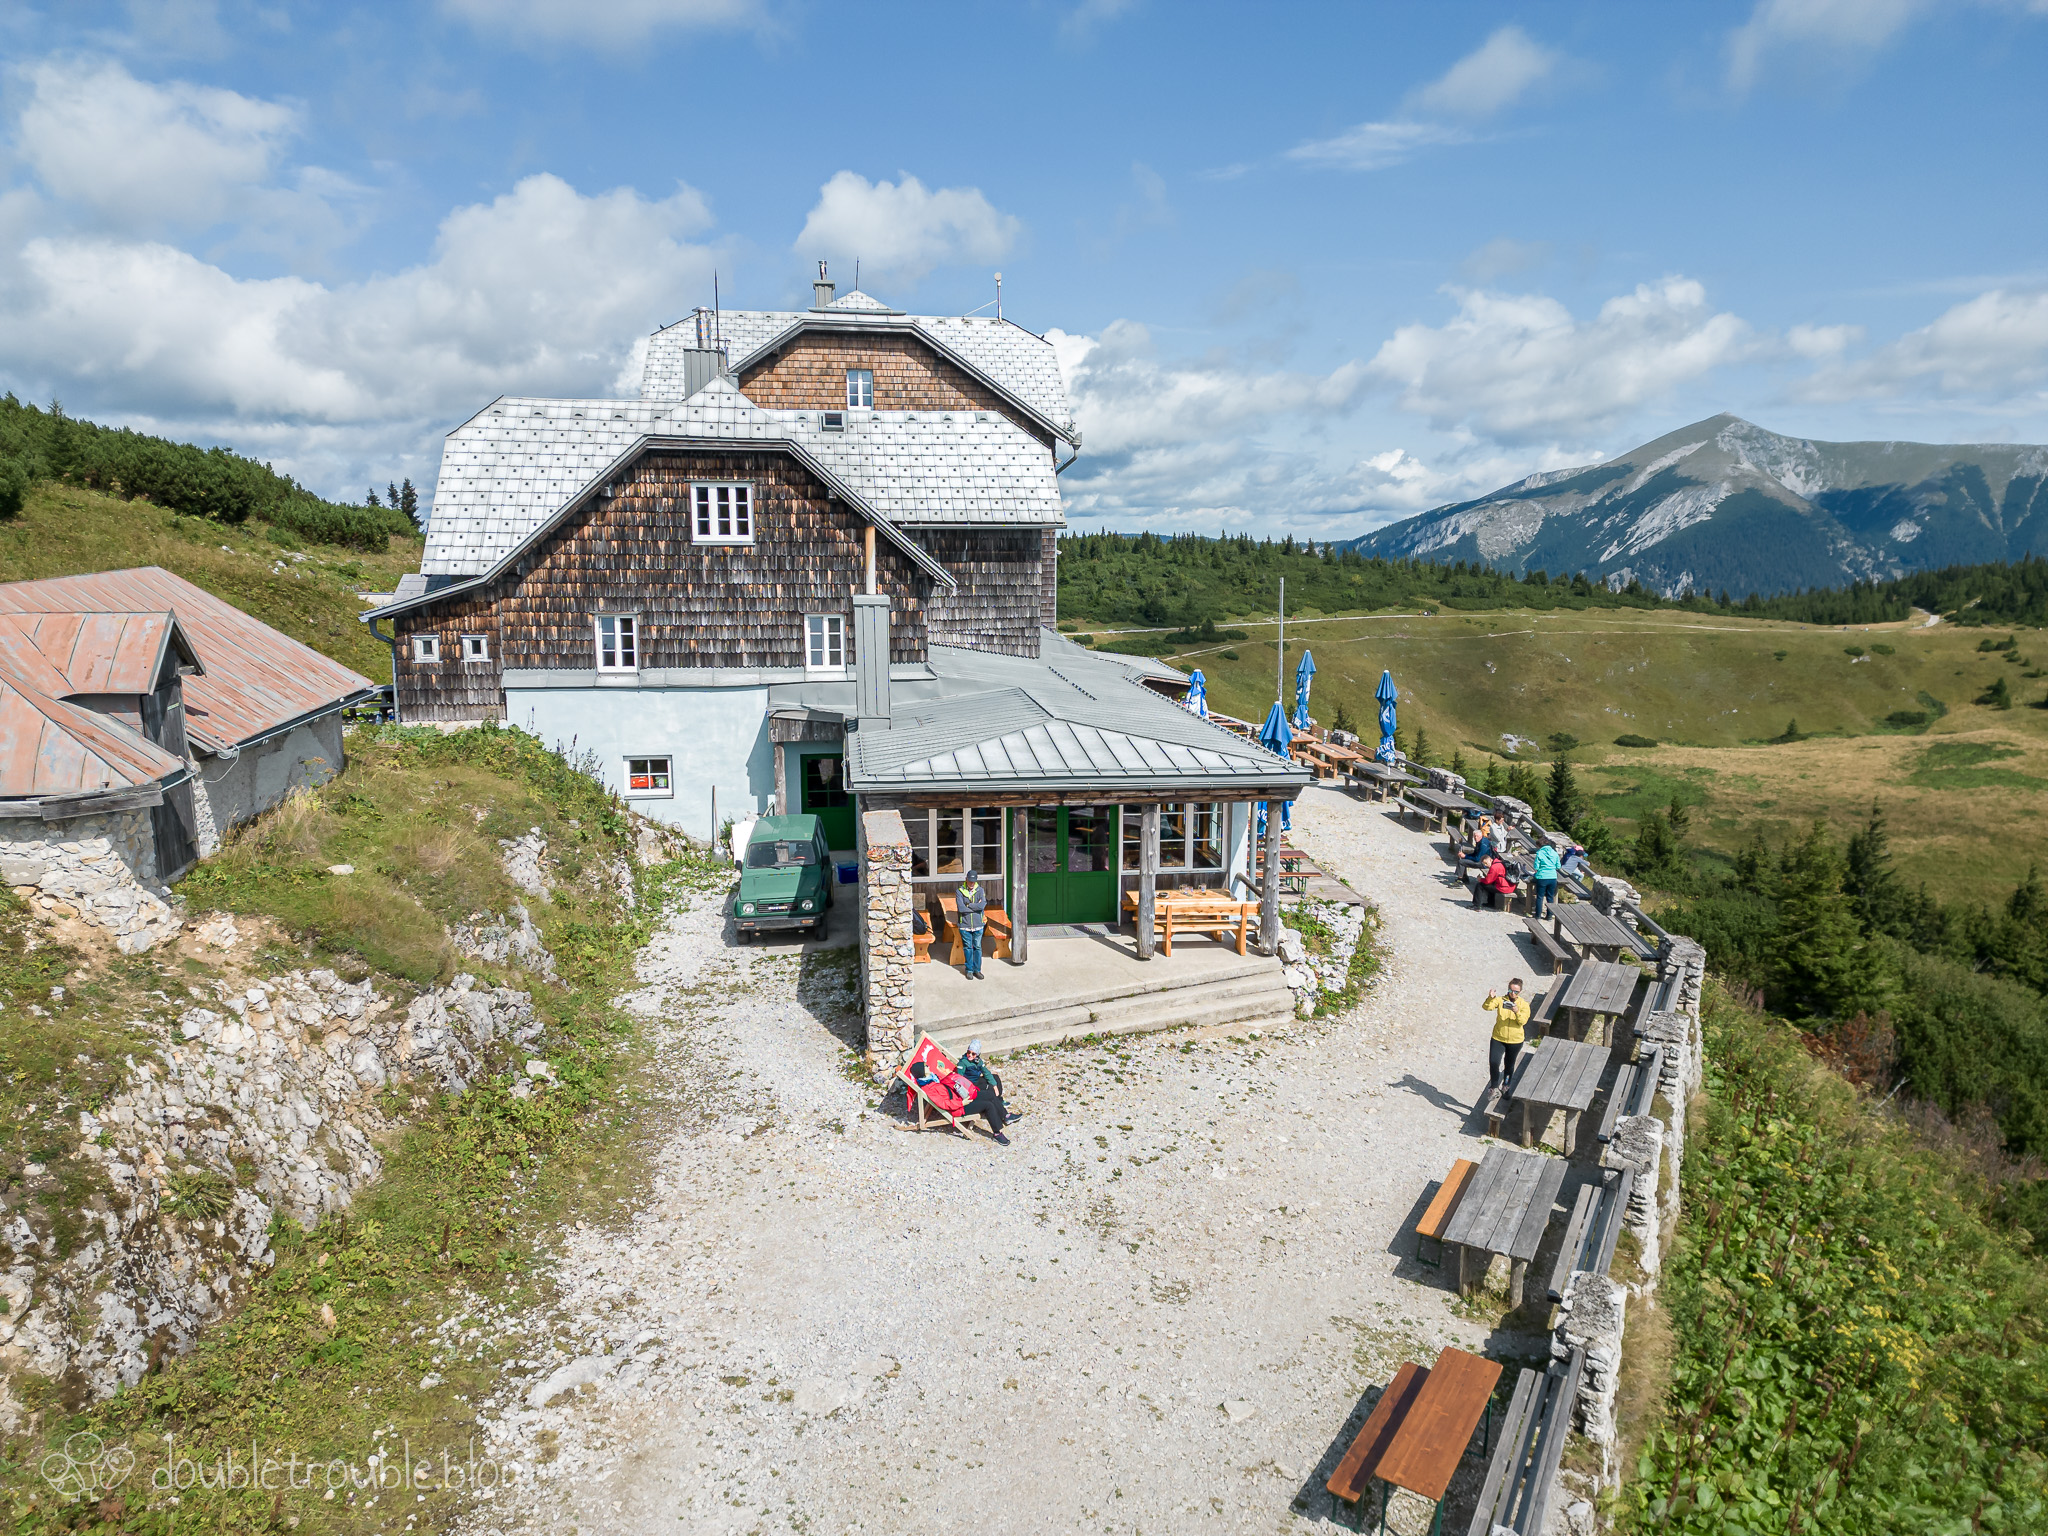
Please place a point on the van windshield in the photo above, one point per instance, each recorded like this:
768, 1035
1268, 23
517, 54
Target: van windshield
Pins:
780, 855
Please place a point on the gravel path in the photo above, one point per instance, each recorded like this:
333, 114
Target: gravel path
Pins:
1155, 1311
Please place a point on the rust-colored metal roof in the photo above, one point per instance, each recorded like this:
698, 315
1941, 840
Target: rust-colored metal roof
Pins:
48, 747
106, 652
252, 679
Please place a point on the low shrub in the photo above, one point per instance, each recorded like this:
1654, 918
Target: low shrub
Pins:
1633, 740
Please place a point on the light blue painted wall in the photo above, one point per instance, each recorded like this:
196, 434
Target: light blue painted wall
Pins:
712, 736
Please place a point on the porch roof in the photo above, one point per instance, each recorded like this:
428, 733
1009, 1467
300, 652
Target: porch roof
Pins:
1065, 721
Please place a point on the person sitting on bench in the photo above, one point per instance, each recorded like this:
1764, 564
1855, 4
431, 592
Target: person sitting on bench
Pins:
1574, 863
1495, 883
958, 1096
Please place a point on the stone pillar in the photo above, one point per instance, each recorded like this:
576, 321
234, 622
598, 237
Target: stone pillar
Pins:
1638, 1146
1148, 878
886, 952
1020, 884
1610, 895
1269, 884
1591, 1318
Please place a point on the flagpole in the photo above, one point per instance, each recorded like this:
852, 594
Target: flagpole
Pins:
1280, 661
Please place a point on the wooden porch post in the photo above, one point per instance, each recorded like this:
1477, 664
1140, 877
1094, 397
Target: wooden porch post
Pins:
781, 780
1269, 884
1148, 877
1020, 885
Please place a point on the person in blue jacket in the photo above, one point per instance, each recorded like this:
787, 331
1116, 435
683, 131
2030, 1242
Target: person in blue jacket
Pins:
1544, 877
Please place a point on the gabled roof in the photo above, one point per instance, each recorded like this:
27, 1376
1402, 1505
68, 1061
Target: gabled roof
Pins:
49, 747
248, 680
519, 463
1066, 721
1014, 362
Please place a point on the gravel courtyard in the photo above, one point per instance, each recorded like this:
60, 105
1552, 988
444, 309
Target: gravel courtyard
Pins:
1154, 1312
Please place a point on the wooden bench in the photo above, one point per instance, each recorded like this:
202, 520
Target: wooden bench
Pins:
1594, 1229
945, 919
1634, 1087
1187, 912
1515, 1493
1361, 1464
1548, 943
1438, 1215
921, 943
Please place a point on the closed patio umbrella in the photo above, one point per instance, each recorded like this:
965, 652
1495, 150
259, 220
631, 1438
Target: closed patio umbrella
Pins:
1386, 694
1277, 737
1303, 676
1198, 693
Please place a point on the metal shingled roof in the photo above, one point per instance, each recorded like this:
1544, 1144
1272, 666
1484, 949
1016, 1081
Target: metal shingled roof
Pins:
1017, 362
516, 464
254, 679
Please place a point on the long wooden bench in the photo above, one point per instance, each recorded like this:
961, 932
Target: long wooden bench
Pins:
1634, 1087
1515, 1494
1354, 1476
1590, 1237
1549, 945
1438, 1215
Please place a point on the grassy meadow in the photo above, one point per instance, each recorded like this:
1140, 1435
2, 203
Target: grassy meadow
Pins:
1963, 791
307, 591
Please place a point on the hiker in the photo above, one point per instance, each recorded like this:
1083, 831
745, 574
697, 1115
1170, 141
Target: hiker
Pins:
1544, 874
1495, 883
972, 919
958, 1096
1484, 843
1574, 863
1510, 1020
978, 1072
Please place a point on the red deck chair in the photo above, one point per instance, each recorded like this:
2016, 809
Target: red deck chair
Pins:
926, 1113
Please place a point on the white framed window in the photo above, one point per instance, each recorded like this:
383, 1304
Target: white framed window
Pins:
832, 421
724, 514
426, 647
476, 648
941, 842
648, 778
1190, 836
860, 389
825, 642
618, 642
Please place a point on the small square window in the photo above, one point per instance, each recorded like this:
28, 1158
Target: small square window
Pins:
476, 648
724, 514
825, 642
832, 421
860, 389
648, 776
426, 647
618, 643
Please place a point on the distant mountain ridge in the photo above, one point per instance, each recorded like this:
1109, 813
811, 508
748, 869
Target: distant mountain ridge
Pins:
1726, 505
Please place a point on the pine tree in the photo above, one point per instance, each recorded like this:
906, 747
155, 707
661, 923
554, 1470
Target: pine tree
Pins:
1753, 865
1882, 904
1998, 695
1496, 777
1343, 721
1819, 967
409, 503
391, 496
1421, 752
1567, 809
1525, 786
1657, 857
1458, 761
1679, 817
371, 499
2019, 947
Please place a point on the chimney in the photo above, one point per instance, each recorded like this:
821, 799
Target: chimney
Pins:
871, 661
823, 288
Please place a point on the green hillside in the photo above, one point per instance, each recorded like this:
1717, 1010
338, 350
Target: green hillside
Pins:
308, 591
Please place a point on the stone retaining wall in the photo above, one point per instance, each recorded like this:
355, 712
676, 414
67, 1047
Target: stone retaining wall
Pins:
886, 951
101, 867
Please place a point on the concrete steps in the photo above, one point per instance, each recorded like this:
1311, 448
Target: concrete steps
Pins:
1252, 995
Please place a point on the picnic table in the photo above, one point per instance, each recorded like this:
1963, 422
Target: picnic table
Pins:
1593, 932
1555, 1074
1505, 1209
1326, 759
1594, 995
1418, 1431
1435, 806
1381, 777
1197, 911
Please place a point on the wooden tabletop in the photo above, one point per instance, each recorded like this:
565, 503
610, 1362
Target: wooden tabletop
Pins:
1506, 1206
1432, 1436
1386, 773
1585, 925
1559, 1074
1361, 1464
1442, 800
1600, 986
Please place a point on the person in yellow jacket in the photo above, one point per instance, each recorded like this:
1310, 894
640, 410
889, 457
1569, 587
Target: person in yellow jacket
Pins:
1510, 1020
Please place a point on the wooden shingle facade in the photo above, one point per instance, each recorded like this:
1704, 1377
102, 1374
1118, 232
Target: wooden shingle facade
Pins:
696, 605
808, 373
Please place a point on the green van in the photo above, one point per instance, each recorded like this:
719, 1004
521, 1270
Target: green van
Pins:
785, 877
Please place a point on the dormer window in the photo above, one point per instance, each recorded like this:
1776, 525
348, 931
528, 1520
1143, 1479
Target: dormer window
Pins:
860, 389
832, 421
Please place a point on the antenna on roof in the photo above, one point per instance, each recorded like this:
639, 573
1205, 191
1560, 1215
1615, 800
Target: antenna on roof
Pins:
999, 295
856, 274
717, 322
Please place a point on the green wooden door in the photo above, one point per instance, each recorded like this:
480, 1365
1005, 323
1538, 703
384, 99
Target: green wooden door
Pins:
825, 797
1072, 865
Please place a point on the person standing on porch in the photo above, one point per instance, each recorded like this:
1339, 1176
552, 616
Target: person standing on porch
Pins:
973, 910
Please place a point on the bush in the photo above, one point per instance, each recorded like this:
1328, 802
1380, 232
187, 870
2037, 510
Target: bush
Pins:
14, 484
1633, 740
1907, 719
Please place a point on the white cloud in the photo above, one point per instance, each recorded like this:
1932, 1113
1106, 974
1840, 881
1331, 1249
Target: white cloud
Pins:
1491, 78
1831, 28
608, 25
1374, 146
1820, 341
539, 291
1992, 348
143, 156
1518, 367
903, 229
1502, 257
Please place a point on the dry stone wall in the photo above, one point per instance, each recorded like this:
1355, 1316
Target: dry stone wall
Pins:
258, 1102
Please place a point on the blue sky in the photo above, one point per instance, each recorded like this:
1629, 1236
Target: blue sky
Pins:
1309, 268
